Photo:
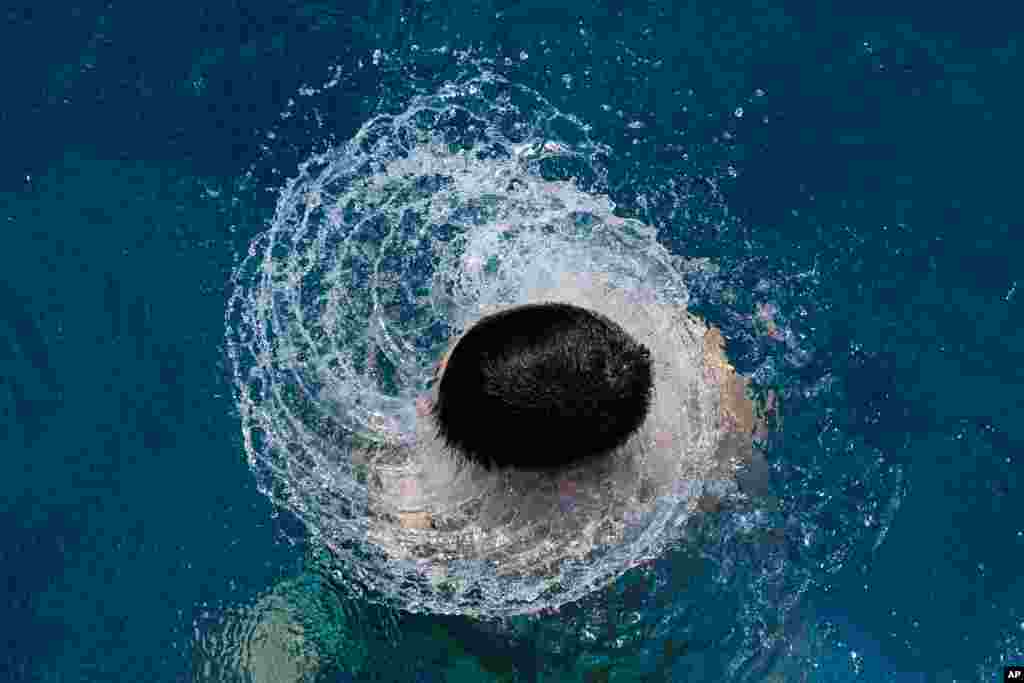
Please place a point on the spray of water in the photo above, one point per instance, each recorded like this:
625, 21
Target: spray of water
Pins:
480, 195
383, 249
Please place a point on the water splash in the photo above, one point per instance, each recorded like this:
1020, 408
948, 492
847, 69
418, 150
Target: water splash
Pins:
478, 195
384, 248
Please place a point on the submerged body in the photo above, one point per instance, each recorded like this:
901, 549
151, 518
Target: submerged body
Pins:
431, 506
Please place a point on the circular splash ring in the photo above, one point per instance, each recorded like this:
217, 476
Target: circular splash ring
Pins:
476, 197
383, 249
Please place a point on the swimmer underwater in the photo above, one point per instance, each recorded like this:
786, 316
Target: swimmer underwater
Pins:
550, 428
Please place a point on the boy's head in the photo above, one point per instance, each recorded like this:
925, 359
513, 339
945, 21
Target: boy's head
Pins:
542, 386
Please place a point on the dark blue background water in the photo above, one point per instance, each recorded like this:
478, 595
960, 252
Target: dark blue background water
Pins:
884, 154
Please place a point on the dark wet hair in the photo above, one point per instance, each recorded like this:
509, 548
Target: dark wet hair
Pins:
542, 386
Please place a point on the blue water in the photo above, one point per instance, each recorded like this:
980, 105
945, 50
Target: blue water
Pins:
873, 149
